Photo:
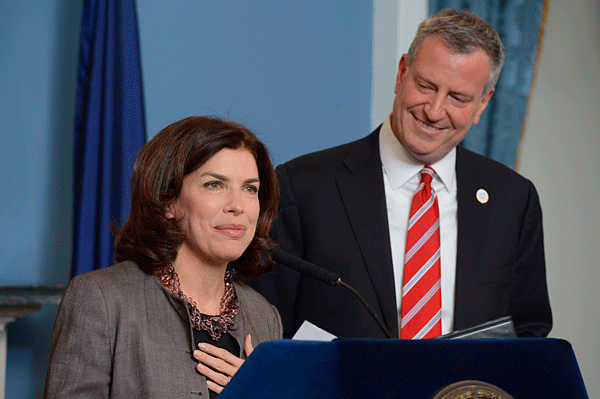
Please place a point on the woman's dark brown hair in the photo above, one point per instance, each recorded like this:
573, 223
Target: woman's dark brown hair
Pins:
149, 237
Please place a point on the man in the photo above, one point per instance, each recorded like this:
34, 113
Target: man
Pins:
347, 208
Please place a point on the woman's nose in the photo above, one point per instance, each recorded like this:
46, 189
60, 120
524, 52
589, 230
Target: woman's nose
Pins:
235, 204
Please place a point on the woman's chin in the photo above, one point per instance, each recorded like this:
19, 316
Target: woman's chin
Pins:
230, 255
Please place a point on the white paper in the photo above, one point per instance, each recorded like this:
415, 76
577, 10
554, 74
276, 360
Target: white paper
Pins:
310, 332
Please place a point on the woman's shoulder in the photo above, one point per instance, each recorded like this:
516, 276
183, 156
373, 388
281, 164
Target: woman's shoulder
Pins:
122, 274
246, 294
117, 288
259, 310
252, 302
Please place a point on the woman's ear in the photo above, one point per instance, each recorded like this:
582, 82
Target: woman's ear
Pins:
170, 212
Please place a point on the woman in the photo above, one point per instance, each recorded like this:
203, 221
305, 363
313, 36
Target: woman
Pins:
172, 319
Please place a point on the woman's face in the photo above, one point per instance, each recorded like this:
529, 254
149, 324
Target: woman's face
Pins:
219, 208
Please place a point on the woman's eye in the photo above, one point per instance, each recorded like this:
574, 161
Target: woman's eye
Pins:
251, 189
212, 184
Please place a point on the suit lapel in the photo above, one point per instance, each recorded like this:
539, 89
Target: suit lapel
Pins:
367, 212
473, 219
363, 196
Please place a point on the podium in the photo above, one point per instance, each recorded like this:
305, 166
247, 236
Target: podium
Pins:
417, 369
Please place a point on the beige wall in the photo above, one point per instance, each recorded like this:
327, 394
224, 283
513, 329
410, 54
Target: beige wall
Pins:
560, 153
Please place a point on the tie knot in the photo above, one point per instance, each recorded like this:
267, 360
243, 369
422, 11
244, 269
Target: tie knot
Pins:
427, 175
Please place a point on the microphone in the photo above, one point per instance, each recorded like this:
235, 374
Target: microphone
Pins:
323, 275
304, 267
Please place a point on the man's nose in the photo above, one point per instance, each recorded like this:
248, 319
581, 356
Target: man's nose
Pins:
435, 107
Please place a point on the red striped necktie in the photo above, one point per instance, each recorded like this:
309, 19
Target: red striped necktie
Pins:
421, 297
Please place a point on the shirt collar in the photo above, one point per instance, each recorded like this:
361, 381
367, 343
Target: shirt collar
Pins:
400, 166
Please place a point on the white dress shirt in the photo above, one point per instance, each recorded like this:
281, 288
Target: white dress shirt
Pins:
401, 178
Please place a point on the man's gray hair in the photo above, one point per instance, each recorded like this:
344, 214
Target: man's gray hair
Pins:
463, 32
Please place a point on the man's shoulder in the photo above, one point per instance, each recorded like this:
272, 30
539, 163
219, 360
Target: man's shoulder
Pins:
331, 158
486, 166
475, 169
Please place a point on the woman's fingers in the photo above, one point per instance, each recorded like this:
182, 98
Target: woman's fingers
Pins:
215, 380
221, 361
214, 387
218, 365
248, 348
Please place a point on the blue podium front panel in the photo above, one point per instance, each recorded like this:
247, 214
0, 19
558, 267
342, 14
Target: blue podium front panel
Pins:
288, 369
361, 368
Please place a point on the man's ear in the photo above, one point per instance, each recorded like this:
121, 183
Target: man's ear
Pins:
482, 105
402, 67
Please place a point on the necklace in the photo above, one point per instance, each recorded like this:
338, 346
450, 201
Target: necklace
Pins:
216, 326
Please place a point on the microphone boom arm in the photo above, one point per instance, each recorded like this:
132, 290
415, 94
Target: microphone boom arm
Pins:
369, 308
325, 276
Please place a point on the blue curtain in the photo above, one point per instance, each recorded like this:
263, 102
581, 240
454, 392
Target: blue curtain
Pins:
518, 22
109, 127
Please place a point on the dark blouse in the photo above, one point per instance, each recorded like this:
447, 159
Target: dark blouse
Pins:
226, 342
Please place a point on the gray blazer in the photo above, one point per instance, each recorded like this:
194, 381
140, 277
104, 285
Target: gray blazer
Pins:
120, 334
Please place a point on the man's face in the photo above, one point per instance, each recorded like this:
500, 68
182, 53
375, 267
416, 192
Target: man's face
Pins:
438, 98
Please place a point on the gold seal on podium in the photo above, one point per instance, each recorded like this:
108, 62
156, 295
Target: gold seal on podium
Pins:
471, 389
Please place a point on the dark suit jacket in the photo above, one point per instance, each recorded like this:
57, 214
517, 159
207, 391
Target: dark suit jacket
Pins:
333, 214
120, 334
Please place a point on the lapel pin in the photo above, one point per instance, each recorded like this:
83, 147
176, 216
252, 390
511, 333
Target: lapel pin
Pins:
482, 196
